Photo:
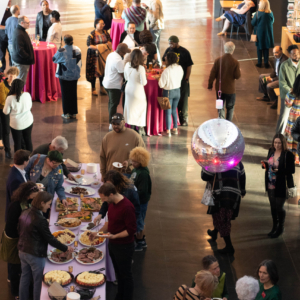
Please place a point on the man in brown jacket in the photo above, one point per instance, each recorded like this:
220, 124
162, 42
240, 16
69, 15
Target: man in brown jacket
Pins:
229, 69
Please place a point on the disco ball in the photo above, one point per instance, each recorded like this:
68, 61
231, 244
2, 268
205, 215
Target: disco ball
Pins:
218, 145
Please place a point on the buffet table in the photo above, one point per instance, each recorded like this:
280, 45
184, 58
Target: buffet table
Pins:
41, 82
77, 267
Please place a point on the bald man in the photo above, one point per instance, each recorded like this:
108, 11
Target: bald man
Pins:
269, 82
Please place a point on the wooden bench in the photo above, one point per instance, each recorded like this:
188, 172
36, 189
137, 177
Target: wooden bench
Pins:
277, 92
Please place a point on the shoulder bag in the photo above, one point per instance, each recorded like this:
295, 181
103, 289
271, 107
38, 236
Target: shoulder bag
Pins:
164, 102
253, 37
290, 192
208, 196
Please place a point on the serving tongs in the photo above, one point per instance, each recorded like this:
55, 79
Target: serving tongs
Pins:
97, 271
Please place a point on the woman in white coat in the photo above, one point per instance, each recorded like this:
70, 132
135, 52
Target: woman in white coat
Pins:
135, 109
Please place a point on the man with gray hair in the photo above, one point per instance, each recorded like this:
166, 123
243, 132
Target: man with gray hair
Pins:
23, 55
60, 144
247, 288
225, 70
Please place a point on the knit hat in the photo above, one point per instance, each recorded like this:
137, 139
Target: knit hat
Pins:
55, 156
174, 39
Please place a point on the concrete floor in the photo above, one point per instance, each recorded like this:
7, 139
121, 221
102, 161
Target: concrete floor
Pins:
176, 220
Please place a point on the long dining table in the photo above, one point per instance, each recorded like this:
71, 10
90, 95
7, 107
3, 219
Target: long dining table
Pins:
105, 263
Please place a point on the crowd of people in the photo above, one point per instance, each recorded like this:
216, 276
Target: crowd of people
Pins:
126, 193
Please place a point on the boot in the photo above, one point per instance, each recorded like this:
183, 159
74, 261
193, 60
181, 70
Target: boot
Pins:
275, 222
229, 248
213, 234
280, 229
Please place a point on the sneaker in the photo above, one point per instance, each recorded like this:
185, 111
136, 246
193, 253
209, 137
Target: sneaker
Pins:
184, 123
73, 116
138, 247
174, 131
66, 116
110, 127
143, 243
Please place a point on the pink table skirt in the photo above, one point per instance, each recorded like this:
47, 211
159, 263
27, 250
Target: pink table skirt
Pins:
156, 121
41, 81
117, 28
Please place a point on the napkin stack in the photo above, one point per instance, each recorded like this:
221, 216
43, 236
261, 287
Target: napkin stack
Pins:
57, 291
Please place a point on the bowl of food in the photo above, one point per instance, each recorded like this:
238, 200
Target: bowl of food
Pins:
95, 184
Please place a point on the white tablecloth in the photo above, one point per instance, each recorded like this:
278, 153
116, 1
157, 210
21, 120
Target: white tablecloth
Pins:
77, 267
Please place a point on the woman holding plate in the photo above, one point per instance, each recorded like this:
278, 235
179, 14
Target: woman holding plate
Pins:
33, 243
47, 170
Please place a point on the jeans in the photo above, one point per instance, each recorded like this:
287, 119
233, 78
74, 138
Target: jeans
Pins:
3, 49
184, 98
283, 117
141, 219
5, 130
121, 256
114, 96
260, 54
228, 101
26, 135
23, 69
32, 266
268, 89
14, 275
174, 96
10, 50
156, 40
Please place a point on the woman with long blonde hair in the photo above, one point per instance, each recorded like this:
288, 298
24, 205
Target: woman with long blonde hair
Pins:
263, 28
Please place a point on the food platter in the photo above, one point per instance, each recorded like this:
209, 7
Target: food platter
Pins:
90, 203
69, 223
86, 191
72, 204
66, 236
103, 235
54, 254
84, 216
92, 285
83, 239
66, 282
84, 256
82, 180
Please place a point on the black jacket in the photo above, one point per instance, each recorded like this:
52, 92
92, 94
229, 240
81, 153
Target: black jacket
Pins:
135, 36
39, 25
296, 133
34, 234
284, 177
273, 74
22, 48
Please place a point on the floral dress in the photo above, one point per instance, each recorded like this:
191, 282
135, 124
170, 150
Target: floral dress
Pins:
271, 173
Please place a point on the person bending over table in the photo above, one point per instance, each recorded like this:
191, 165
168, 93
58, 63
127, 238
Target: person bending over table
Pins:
61, 145
21, 200
170, 82
131, 36
185, 61
237, 16
146, 38
121, 227
18, 105
135, 109
5, 87
69, 63
47, 169
17, 175
54, 34
43, 22
96, 37
34, 237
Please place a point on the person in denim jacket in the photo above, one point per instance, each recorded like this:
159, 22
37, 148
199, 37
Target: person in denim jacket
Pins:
47, 169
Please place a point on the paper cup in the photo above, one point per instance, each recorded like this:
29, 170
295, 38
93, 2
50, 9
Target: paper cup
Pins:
73, 296
91, 168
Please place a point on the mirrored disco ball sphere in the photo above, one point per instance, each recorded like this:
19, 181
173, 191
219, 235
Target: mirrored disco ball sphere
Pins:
218, 145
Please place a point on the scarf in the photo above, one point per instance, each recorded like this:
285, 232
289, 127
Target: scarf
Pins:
135, 14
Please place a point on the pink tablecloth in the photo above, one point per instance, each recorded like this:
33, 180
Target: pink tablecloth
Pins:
117, 28
156, 122
41, 81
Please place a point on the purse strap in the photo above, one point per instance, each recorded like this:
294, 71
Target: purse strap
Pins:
184, 293
212, 188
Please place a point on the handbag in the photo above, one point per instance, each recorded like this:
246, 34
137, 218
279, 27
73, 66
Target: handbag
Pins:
164, 102
208, 196
253, 37
290, 192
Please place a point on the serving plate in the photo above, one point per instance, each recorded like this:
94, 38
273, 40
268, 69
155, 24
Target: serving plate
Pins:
48, 283
84, 180
89, 190
89, 264
96, 245
96, 272
58, 263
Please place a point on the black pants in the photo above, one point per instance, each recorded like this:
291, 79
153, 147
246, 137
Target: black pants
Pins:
183, 102
3, 49
277, 206
121, 256
93, 82
260, 54
228, 102
14, 275
69, 96
4, 130
114, 96
26, 135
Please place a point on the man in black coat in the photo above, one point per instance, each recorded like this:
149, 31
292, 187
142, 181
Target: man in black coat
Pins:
23, 54
269, 82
